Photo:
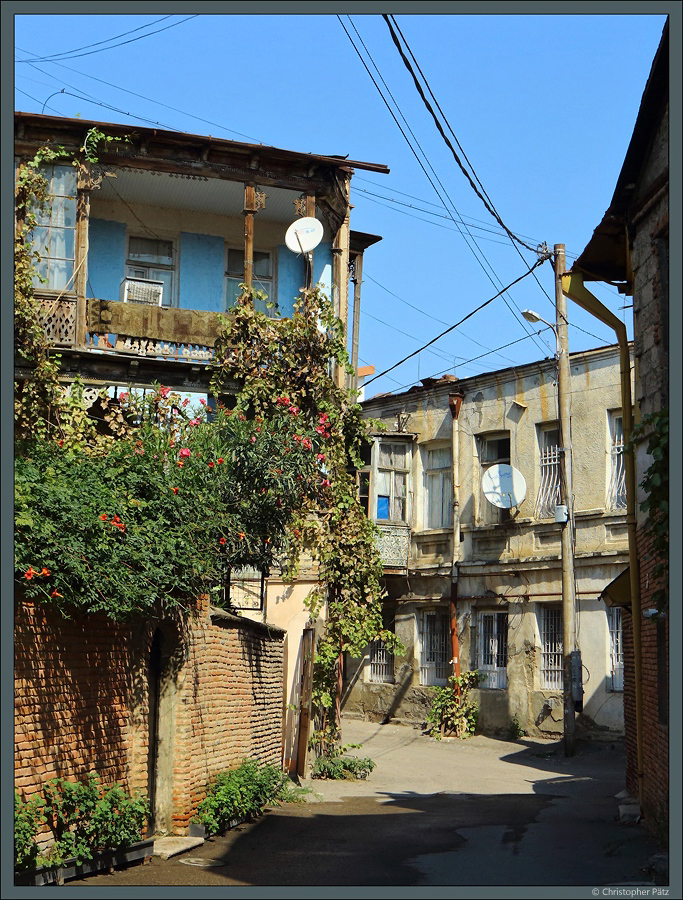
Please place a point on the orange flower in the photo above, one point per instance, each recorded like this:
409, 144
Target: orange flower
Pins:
29, 573
221, 540
44, 571
56, 593
103, 517
175, 490
240, 534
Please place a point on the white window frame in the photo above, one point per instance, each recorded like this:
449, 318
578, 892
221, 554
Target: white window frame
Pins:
394, 473
50, 224
438, 487
153, 271
434, 641
552, 658
616, 491
550, 471
259, 282
492, 648
490, 514
616, 647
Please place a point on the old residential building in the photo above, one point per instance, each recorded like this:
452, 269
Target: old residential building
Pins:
448, 551
140, 253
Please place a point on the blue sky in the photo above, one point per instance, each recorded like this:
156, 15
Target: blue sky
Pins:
543, 106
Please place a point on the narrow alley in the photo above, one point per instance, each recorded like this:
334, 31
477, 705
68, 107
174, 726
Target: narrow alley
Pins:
482, 811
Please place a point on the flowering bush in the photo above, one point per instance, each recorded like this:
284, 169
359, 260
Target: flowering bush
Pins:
160, 512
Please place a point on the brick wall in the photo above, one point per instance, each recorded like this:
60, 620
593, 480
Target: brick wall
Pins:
655, 644
82, 700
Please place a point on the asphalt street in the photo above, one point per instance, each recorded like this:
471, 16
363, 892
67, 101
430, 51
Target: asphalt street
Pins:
474, 812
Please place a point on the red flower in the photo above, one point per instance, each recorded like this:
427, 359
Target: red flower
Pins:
324, 482
194, 422
293, 410
55, 593
122, 397
60, 443
320, 457
184, 452
29, 573
219, 460
252, 439
44, 571
185, 401
221, 540
164, 392
210, 465
175, 490
202, 401
103, 517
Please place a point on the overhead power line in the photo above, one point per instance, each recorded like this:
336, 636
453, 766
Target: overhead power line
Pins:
118, 87
469, 238
75, 55
480, 193
452, 327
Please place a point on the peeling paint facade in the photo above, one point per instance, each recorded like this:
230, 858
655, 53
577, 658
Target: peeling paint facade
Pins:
498, 570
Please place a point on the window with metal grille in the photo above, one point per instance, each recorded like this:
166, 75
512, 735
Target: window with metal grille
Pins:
262, 279
54, 234
492, 649
549, 490
392, 482
616, 498
438, 488
244, 588
551, 648
435, 647
616, 645
493, 449
382, 659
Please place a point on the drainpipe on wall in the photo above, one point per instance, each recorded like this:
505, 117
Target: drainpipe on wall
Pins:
573, 287
454, 403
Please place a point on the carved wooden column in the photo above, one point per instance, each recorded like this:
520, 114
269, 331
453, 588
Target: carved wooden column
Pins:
340, 277
253, 201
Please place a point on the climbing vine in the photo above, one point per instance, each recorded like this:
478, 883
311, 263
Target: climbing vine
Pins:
288, 362
655, 427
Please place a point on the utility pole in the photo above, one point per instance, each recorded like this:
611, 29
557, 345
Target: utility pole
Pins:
571, 684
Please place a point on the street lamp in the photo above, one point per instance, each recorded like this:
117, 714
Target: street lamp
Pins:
571, 682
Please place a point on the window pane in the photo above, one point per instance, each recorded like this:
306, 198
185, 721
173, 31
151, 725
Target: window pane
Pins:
61, 243
439, 459
63, 181
262, 267
236, 263
382, 507
232, 291
63, 212
151, 251
59, 272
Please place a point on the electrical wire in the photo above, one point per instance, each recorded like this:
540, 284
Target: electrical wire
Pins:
114, 46
429, 315
464, 319
106, 41
480, 193
134, 94
519, 319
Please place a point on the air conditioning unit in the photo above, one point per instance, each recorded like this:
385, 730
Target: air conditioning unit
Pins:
141, 290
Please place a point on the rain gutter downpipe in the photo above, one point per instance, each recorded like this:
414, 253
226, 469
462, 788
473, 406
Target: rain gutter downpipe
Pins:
454, 403
573, 287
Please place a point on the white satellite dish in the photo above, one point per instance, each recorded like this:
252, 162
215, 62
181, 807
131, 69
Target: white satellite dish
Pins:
304, 235
503, 486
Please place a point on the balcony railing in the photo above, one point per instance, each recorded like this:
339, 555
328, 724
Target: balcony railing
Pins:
393, 543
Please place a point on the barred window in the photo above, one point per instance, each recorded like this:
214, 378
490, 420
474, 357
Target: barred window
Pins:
549, 490
435, 647
492, 648
551, 648
616, 644
617, 485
